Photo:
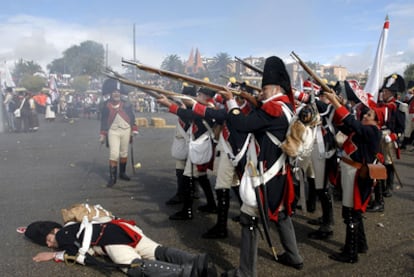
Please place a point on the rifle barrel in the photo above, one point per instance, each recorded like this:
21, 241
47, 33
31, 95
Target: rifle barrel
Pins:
311, 73
189, 79
250, 66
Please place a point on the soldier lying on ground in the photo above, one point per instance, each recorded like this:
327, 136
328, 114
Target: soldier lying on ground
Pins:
122, 241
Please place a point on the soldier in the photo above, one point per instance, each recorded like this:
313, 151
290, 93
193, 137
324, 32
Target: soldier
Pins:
232, 147
179, 149
321, 166
195, 171
122, 241
117, 128
360, 148
269, 124
393, 127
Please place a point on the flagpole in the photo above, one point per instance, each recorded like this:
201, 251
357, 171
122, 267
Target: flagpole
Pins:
376, 77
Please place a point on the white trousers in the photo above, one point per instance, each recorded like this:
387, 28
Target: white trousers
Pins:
118, 140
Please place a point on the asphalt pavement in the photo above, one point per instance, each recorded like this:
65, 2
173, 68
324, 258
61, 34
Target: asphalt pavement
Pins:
63, 163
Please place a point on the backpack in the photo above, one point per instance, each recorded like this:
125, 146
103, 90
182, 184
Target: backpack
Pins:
301, 133
93, 213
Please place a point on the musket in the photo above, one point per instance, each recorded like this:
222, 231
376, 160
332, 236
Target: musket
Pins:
242, 84
263, 213
145, 88
195, 81
132, 157
311, 73
249, 66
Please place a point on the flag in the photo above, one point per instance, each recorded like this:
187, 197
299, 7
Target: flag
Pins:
375, 77
6, 78
53, 89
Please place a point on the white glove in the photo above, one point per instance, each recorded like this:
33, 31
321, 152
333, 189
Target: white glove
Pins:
102, 139
387, 139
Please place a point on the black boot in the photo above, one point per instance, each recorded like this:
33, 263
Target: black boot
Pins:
200, 262
236, 191
122, 174
150, 268
219, 231
211, 206
349, 254
178, 197
378, 204
405, 142
112, 176
186, 212
248, 248
389, 186
311, 202
325, 230
362, 239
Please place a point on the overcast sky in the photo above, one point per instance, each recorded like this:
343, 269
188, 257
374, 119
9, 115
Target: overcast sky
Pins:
337, 32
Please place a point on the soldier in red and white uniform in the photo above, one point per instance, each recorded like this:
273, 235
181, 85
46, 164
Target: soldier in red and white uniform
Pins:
122, 241
194, 172
117, 128
359, 149
269, 123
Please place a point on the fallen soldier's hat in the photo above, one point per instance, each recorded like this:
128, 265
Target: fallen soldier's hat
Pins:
38, 230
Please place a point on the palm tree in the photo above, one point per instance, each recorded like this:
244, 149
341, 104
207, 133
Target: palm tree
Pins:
220, 66
173, 63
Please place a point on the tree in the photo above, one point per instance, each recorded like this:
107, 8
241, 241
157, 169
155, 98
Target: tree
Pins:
220, 67
409, 73
33, 83
80, 83
84, 59
57, 66
173, 63
23, 68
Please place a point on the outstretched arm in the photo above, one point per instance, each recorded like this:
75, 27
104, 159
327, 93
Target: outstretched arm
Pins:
44, 256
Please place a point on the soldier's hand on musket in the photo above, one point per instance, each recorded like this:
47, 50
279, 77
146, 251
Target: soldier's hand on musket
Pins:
332, 98
163, 100
227, 94
188, 102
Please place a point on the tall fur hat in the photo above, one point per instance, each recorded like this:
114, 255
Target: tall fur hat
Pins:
189, 90
110, 85
38, 230
207, 91
274, 73
394, 83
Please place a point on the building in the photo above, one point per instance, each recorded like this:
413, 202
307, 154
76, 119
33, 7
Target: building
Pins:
194, 64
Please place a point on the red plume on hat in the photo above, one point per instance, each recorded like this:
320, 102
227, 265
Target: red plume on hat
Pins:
309, 85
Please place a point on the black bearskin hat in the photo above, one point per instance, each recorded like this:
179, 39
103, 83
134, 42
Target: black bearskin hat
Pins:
110, 85
274, 73
207, 91
394, 83
38, 230
190, 91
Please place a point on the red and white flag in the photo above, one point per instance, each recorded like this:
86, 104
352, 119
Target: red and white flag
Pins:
376, 75
53, 89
